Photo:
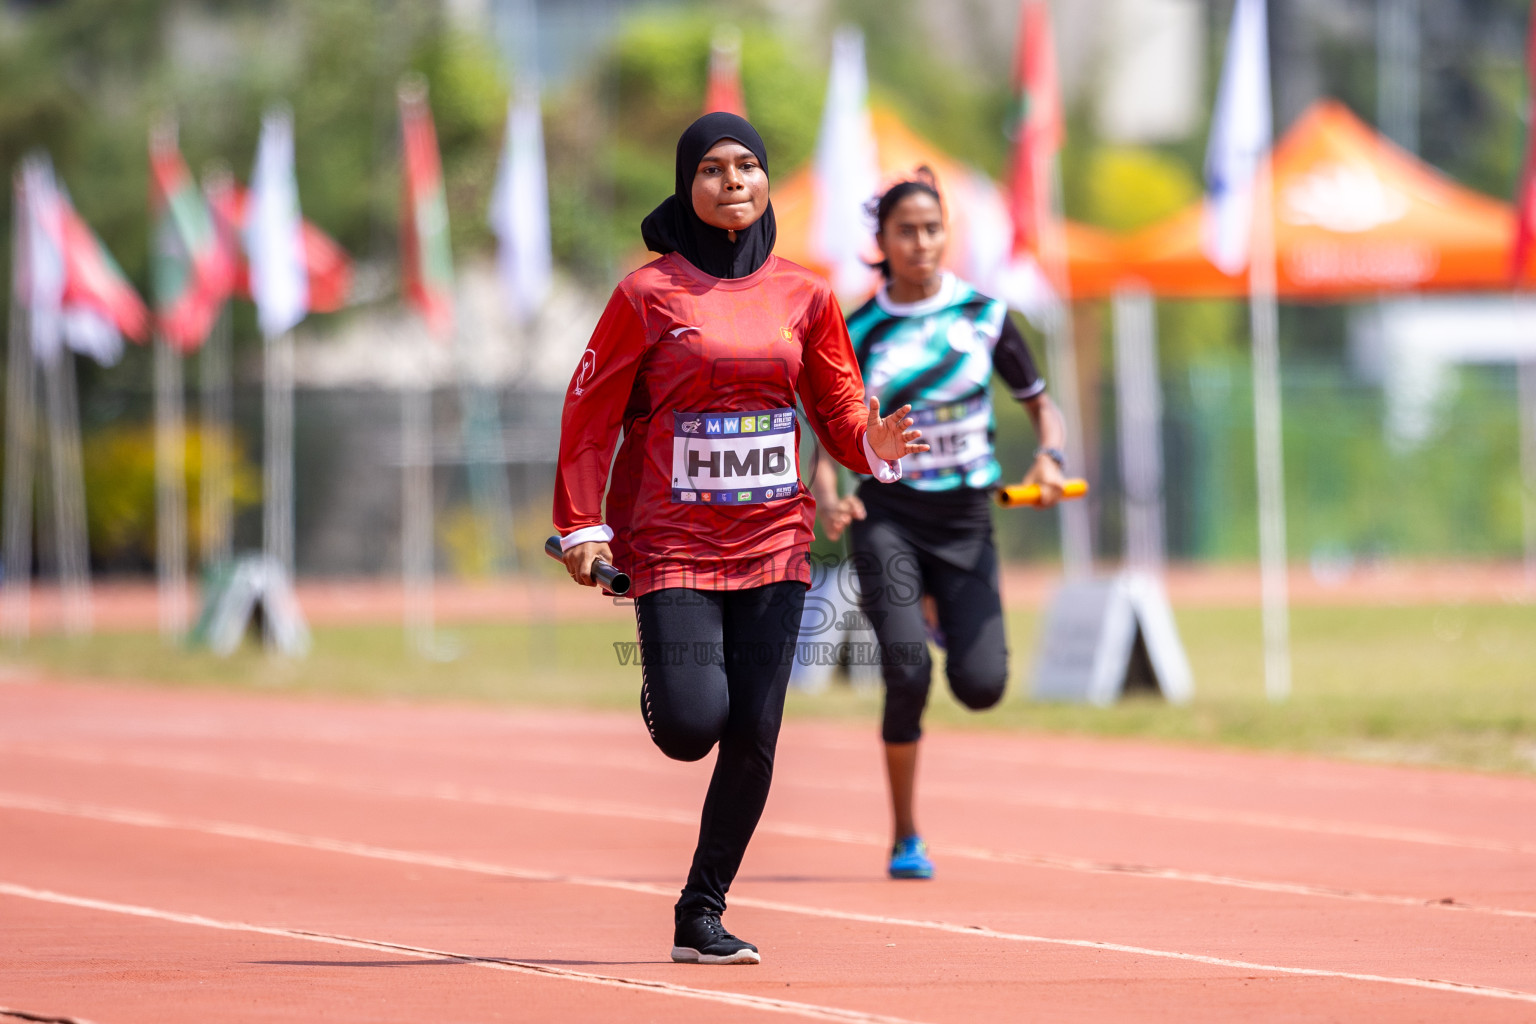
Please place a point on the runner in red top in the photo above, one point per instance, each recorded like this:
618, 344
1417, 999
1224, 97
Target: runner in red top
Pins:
704, 375
700, 357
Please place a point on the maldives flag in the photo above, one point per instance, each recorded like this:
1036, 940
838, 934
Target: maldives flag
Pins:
1037, 127
78, 295
1525, 192
724, 90
426, 262
192, 268
95, 284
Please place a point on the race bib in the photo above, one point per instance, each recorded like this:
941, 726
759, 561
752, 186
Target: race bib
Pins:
956, 435
734, 458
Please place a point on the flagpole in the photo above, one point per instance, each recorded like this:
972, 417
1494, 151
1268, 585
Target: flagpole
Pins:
216, 447
519, 216
1076, 535
20, 438
170, 491
1526, 377
277, 511
426, 277
71, 546
416, 562
1139, 415
170, 437
1268, 454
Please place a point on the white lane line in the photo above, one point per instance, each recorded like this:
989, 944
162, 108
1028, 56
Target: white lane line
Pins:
810, 1011
1202, 815
451, 793
1168, 812
1014, 797
124, 816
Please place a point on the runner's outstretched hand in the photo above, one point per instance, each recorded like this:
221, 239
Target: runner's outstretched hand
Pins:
889, 435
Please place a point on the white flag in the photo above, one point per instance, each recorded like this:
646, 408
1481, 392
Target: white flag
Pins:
519, 212
92, 334
1240, 137
847, 170
274, 231
41, 270
989, 261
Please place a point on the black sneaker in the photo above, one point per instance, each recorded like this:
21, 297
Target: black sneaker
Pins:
700, 938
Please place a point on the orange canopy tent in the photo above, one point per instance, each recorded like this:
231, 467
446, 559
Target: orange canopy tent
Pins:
1354, 215
979, 229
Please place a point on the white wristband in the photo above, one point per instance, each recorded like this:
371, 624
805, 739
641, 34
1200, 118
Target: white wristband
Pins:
586, 535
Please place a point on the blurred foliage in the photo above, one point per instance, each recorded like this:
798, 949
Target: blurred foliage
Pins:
961, 107
1129, 187
605, 177
1351, 494
87, 94
466, 538
1196, 331
119, 467
84, 78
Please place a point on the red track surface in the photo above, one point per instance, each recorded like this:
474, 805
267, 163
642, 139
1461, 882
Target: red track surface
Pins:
192, 856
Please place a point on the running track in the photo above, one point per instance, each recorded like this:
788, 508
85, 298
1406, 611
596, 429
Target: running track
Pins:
170, 856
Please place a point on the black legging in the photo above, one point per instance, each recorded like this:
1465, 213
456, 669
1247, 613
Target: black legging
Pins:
715, 665
894, 573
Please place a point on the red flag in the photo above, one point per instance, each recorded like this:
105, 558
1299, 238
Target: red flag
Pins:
92, 279
1525, 191
1037, 122
724, 90
426, 261
192, 271
226, 203
328, 265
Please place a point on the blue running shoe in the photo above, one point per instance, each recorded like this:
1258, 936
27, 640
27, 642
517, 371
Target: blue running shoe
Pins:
909, 859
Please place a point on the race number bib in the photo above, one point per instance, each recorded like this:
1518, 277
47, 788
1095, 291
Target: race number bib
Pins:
734, 458
957, 438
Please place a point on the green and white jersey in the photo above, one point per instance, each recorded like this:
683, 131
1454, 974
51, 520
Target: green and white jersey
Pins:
939, 354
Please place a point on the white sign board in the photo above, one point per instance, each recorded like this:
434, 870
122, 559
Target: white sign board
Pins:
1103, 636
233, 598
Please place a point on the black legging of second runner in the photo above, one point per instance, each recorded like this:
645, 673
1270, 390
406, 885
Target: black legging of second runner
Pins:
715, 665
912, 543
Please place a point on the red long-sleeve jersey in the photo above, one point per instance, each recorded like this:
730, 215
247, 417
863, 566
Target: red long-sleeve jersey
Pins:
702, 374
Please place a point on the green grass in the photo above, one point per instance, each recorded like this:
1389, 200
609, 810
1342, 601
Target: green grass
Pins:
1448, 684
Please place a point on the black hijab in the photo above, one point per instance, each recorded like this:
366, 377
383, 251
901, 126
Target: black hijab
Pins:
675, 227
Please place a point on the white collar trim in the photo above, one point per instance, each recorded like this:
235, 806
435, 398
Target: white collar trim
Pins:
935, 302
